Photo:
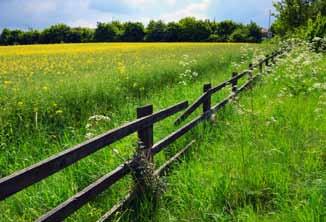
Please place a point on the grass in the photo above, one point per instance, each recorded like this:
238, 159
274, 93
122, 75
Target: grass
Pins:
48, 95
263, 159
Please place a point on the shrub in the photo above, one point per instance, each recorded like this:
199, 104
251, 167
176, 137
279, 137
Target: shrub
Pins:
316, 28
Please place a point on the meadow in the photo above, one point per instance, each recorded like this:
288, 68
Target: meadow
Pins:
263, 157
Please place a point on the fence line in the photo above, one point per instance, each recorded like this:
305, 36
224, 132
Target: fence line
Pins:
143, 125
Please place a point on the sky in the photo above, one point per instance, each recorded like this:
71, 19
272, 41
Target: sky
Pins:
39, 14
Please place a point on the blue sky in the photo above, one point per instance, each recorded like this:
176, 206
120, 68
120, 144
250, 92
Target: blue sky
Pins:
43, 13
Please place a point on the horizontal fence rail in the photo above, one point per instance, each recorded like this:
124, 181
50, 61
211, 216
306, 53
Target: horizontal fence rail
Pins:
232, 81
22, 179
78, 200
143, 125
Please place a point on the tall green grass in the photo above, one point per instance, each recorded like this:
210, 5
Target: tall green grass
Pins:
54, 118
264, 157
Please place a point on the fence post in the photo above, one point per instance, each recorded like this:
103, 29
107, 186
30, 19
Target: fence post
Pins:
234, 85
145, 135
251, 68
207, 102
267, 60
260, 67
273, 57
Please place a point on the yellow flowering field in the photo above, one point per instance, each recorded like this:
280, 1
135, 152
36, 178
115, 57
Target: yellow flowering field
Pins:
52, 80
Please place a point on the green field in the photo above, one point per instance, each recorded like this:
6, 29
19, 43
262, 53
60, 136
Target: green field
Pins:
263, 158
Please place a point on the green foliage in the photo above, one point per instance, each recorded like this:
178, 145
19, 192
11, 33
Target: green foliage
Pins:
173, 32
56, 34
81, 35
214, 38
31, 37
254, 32
194, 30
133, 32
305, 19
248, 33
225, 29
155, 31
292, 13
316, 28
240, 35
9, 37
105, 32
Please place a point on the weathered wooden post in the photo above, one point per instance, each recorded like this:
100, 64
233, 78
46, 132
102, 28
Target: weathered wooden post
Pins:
261, 67
267, 60
207, 102
145, 135
273, 57
250, 74
142, 166
234, 85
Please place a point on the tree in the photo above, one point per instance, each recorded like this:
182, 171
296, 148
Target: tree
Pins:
173, 32
188, 28
133, 32
194, 30
58, 33
105, 32
31, 37
11, 37
203, 31
213, 38
119, 28
318, 8
254, 32
291, 14
316, 28
225, 29
240, 34
155, 31
5, 37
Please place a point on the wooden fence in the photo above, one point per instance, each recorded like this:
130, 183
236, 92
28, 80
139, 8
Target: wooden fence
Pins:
143, 125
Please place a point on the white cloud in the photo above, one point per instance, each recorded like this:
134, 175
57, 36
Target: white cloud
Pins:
198, 10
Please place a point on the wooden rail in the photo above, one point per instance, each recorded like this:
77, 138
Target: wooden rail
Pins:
143, 125
24, 178
235, 89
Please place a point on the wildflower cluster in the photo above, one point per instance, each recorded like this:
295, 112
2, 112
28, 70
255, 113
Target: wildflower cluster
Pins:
94, 122
300, 75
189, 74
247, 52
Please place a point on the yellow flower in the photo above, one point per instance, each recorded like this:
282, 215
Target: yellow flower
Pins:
121, 68
59, 111
20, 103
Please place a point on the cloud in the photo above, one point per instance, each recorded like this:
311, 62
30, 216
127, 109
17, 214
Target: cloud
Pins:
240, 11
198, 10
43, 13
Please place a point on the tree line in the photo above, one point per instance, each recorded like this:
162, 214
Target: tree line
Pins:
188, 29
